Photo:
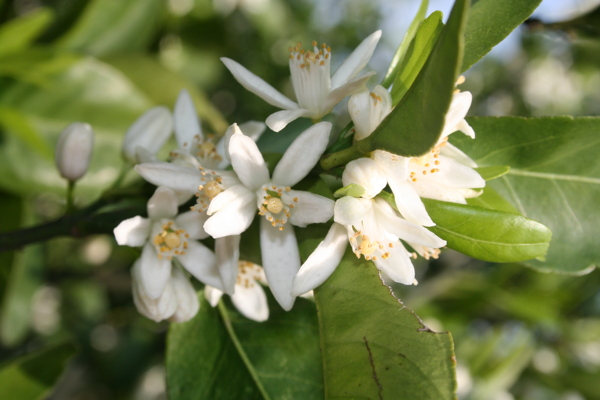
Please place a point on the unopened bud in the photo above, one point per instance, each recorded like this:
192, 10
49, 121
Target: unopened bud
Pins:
74, 150
149, 132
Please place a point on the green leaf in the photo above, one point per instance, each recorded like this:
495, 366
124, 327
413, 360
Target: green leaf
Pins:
352, 190
492, 172
417, 54
402, 49
492, 200
373, 346
108, 27
489, 22
414, 126
15, 123
232, 357
31, 377
554, 178
19, 33
488, 235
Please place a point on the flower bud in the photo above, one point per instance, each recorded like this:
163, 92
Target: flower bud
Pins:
74, 150
149, 132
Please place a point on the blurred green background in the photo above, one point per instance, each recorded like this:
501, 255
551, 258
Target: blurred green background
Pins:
519, 334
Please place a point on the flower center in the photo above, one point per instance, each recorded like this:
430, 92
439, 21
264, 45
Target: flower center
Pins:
362, 245
427, 164
210, 187
275, 204
248, 274
170, 241
207, 153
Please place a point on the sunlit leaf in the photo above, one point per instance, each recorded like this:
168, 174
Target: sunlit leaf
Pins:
554, 179
492, 200
492, 172
20, 32
32, 376
489, 22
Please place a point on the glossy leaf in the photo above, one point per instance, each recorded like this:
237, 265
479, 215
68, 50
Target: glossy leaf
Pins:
20, 32
414, 126
492, 172
108, 27
489, 22
373, 346
32, 376
417, 54
554, 178
492, 200
488, 235
404, 45
232, 357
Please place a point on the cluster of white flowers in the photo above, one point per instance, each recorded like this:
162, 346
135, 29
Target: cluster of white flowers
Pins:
227, 200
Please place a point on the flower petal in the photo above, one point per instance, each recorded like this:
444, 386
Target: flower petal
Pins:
193, 223
352, 87
454, 152
154, 272
201, 262
366, 173
186, 120
356, 61
461, 102
156, 309
397, 266
322, 262
252, 129
187, 298
227, 249
409, 203
150, 131
162, 204
247, 161
310, 208
212, 295
279, 120
359, 106
281, 261
302, 155
351, 211
258, 86
176, 177
233, 218
251, 301
456, 175
132, 232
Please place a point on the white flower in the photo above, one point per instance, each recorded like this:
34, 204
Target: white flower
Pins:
178, 302
316, 90
233, 210
197, 149
74, 150
148, 134
248, 297
374, 230
164, 236
445, 173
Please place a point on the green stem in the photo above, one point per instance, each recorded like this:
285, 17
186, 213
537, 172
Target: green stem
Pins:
241, 351
125, 168
359, 149
70, 188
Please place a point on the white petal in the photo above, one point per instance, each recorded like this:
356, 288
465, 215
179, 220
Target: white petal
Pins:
356, 61
279, 120
465, 128
258, 86
233, 194
397, 266
456, 175
302, 155
150, 131
154, 272
432, 190
201, 262
351, 211
310, 208
359, 106
212, 295
227, 250
366, 173
176, 177
251, 301
156, 309
232, 219
454, 152
281, 261
253, 129
187, 298
409, 203
162, 204
247, 161
322, 262
142, 155
132, 232
352, 87
193, 223
457, 112
186, 120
